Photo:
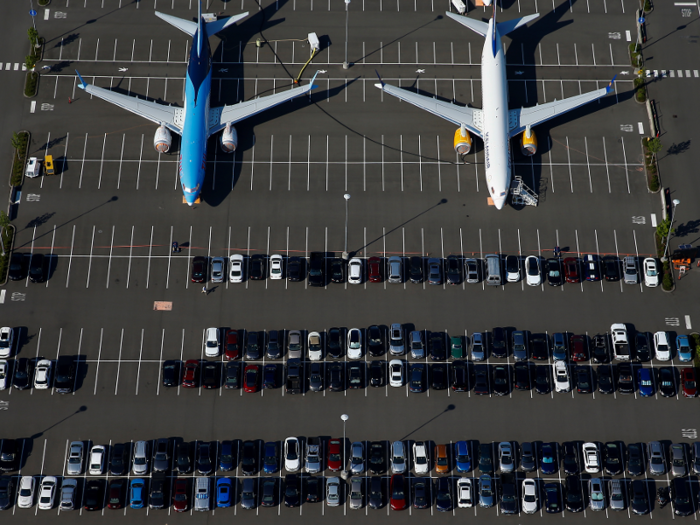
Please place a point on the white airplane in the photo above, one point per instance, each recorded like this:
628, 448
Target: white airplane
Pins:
495, 124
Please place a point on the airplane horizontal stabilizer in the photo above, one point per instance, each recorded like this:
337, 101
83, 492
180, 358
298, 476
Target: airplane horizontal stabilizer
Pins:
186, 26
220, 25
477, 26
511, 25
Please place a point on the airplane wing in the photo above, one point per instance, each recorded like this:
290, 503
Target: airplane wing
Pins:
168, 116
521, 118
458, 115
219, 117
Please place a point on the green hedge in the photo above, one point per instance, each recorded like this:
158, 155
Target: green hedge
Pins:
20, 159
30, 85
5, 259
667, 281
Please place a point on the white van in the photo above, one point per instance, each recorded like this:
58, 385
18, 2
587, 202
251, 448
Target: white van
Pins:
493, 270
33, 168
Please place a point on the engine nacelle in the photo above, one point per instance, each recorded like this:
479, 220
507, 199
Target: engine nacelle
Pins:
229, 139
162, 140
463, 141
528, 142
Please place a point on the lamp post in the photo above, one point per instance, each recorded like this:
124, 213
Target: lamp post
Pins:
343, 472
345, 253
676, 202
346, 64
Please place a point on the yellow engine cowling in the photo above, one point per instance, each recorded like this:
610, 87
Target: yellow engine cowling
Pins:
528, 142
463, 141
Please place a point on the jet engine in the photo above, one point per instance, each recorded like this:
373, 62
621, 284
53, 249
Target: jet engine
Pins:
528, 142
229, 139
463, 141
162, 140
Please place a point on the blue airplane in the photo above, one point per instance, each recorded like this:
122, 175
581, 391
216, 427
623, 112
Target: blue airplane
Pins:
195, 121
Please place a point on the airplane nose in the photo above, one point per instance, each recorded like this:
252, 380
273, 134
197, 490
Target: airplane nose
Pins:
499, 202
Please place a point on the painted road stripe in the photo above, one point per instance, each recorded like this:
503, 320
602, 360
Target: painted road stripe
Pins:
686, 4
46, 14
2, 296
688, 324
16, 68
628, 35
653, 220
695, 73
32, 108
641, 128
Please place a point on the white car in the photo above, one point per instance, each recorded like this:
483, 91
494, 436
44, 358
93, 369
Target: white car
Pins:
47, 492
396, 373
6, 337
235, 272
25, 492
651, 272
213, 342
533, 271
42, 374
421, 462
355, 271
97, 460
354, 343
276, 266
661, 346
315, 346
465, 494
291, 454
562, 380
529, 496
3, 374
591, 458
505, 457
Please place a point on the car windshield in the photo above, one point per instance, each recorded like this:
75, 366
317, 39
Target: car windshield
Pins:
530, 498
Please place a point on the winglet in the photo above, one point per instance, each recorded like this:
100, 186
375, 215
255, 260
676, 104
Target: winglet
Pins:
610, 87
82, 84
313, 86
380, 79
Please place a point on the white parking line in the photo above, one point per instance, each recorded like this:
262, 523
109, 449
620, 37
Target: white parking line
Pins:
92, 244
119, 363
70, 259
131, 250
150, 251
138, 369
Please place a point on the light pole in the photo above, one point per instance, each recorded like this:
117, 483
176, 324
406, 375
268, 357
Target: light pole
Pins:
345, 253
343, 472
346, 64
676, 202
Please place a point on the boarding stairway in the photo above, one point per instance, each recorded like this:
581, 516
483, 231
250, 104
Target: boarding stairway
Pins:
521, 194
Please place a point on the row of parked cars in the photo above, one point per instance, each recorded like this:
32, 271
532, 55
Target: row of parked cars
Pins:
495, 269
400, 473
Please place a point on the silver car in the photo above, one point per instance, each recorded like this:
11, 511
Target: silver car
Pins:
657, 463
395, 273
357, 457
678, 463
140, 463
333, 491
74, 466
396, 339
294, 345
478, 349
505, 457
595, 494
630, 271
218, 270
416, 343
486, 494
617, 498
472, 270
356, 493
69, 488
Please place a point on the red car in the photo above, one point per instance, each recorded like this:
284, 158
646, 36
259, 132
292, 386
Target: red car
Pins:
232, 350
180, 495
251, 378
334, 455
116, 491
374, 269
579, 348
690, 388
398, 492
191, 378
571, 270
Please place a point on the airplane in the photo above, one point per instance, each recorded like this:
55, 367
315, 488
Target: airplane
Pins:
195, 121
495, 124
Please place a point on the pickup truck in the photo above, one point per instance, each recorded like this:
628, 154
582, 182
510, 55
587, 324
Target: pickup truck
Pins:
293, 383
621, 347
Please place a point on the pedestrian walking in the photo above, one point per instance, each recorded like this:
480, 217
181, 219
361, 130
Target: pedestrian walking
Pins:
204, 290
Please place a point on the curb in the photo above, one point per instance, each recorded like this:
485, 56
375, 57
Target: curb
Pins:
36, 91
9, 254
29, 141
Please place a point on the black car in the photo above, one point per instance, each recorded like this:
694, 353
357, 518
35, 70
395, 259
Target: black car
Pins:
22, 373
667, 381
421, 493
258, 267
481, 380
296, 269
253, 348
36, 268
313, 489
611, 268
119, 459
356, 375
552, 498
157, 496
377, 373
555, 276
316, 377
183, 457
437, 346
375, 345
377, 458
600, 348
232, 374
273, 348
438, 379
204, 455
249, 458
499, 342
376, 493
542, 379
270, 376
569, 459
574, 494
199, 269
317, 263
93, 494
292, 491
18, 267
269, 492
416, 378
612, 458
7, 487
680, 497
210, 374
443, 499
415, 269
459, 376
539, 347
635, 459
606, 379
584, 383
521, 376
510, 503
64, 376
453, 269
10, 451
336, 342
625, 379
501, 380
642, 347
486, 458
171, 373
336, 377
226, 456
639, 498
338, 270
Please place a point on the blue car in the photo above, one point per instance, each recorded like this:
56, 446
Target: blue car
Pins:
548, 463
645, 380
137, 493
270, 458
223, 492
226, 456
462, 457
685, 353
